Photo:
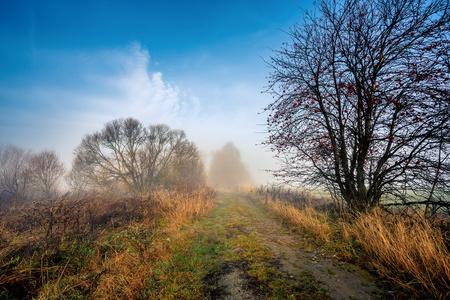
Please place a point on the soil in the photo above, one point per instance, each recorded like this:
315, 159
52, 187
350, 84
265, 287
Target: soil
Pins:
231, 281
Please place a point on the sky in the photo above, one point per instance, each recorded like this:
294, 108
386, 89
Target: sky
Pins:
69, 67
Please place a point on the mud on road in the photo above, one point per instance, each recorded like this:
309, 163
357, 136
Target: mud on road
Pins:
265, 260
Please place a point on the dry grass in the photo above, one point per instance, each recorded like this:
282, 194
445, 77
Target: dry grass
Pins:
410, 252
97, 248
308, 220
296, 207
181, 209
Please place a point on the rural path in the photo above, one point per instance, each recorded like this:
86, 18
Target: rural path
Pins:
265, 260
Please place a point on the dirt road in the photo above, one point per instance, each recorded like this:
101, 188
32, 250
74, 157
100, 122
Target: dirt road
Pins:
265, 260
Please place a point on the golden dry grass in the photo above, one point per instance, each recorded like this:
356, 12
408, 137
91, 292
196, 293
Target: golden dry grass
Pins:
110, 249
181, 209
410, 252
308, 220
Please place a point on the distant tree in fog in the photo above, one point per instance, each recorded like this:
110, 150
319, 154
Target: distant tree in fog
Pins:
125, 156
226, 169
79, 179
45, 172
14, 175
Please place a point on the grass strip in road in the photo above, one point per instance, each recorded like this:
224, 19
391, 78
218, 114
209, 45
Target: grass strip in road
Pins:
235, 225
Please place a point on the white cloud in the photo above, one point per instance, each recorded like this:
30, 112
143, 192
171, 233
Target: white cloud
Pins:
78, 92
133, 91
81, 91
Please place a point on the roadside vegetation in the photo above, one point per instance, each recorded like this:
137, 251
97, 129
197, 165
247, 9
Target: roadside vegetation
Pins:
409, 252
118, 232
100, 248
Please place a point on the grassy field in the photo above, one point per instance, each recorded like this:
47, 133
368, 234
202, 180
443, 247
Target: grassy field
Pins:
187, 245
136, 248
411, 254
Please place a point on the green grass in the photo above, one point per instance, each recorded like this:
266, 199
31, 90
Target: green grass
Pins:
247, 248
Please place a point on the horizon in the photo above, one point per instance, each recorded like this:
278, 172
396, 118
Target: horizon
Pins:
69, 68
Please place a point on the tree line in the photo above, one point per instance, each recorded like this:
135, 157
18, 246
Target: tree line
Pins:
26, 175
123, 159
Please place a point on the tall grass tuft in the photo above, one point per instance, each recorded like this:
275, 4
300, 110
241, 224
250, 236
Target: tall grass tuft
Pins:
411, 253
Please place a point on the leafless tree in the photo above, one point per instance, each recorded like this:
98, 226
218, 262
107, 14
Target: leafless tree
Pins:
362, 103
45, 173
14, 175
125, 156
185, 167
80, 180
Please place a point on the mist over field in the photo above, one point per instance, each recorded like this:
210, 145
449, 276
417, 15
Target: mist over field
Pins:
227, 170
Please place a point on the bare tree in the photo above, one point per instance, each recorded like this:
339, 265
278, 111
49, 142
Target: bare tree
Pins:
362, 104
128, 157
14, 176
45, 173
185, 167
80, 179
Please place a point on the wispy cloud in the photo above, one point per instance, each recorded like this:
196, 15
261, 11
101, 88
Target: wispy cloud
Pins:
88, 89
136, 91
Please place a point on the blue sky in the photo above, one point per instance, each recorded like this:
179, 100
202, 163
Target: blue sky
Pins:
68, 67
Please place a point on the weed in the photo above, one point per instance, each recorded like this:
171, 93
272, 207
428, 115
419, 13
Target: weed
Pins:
331, 272
306, 246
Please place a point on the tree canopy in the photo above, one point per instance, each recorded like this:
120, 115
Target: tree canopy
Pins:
361, 102
126, 157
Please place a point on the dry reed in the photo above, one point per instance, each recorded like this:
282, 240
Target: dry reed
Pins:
412, 253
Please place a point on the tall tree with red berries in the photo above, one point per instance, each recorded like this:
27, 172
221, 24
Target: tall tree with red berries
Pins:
362, 103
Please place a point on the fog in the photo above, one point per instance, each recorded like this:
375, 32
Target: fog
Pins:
226, 168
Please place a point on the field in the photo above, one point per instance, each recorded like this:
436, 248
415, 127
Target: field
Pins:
204, 244
100, 248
